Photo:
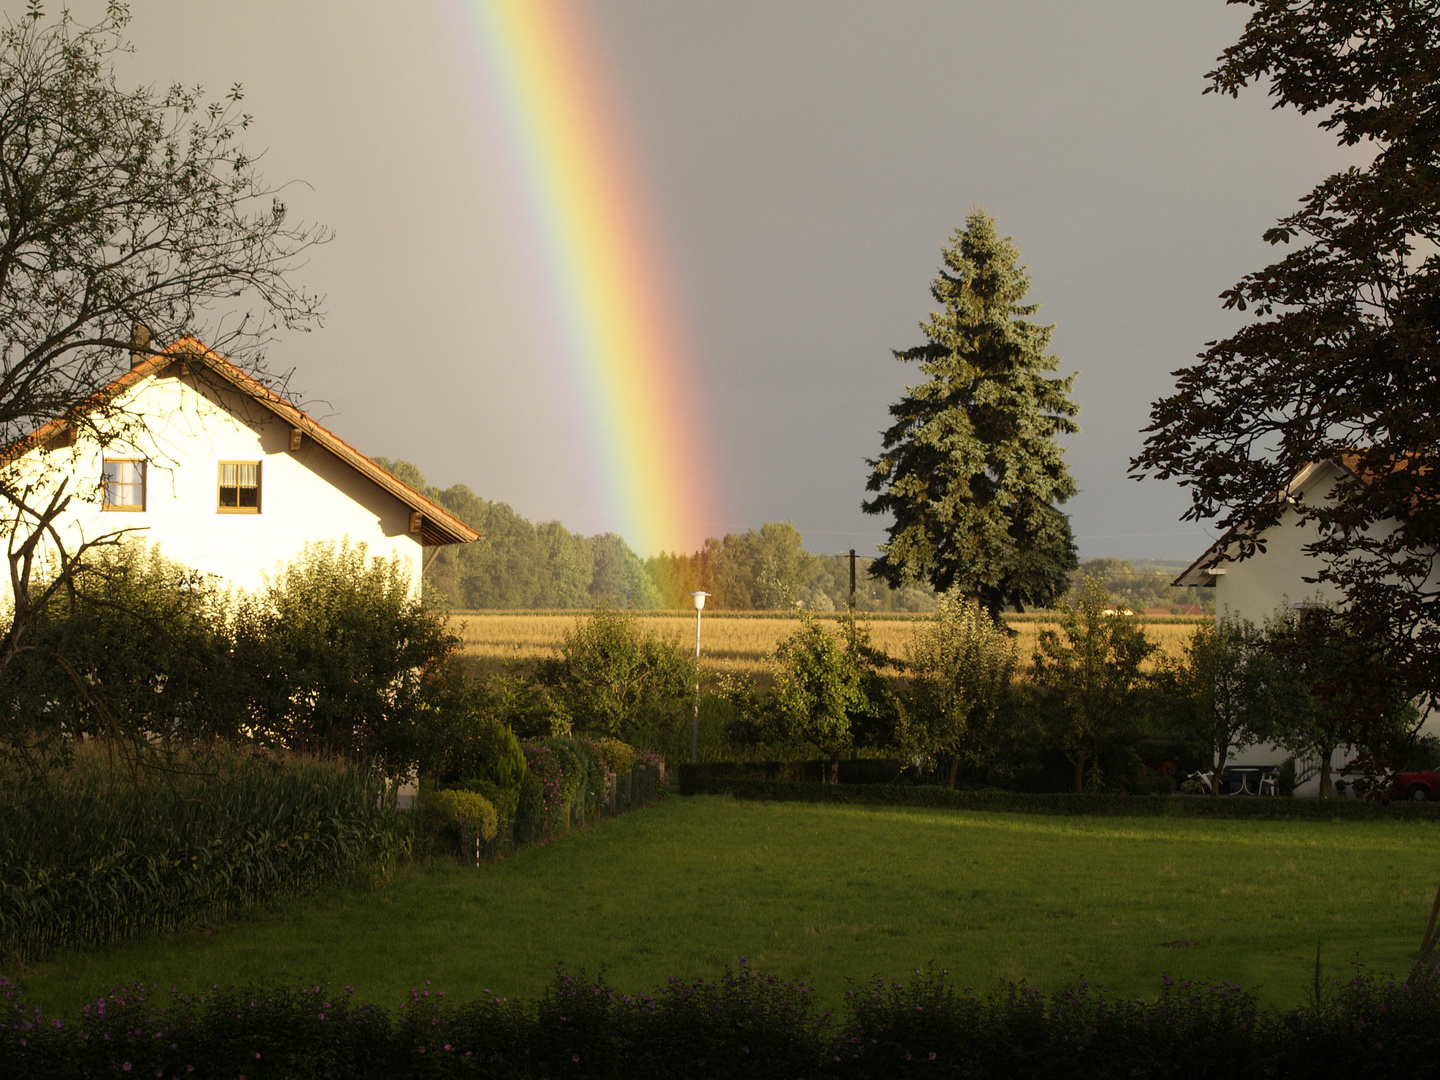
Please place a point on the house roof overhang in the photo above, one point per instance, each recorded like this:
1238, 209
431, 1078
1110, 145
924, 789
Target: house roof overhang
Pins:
1209, 566
437, 525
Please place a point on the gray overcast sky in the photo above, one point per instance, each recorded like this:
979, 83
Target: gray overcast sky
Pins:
806, 160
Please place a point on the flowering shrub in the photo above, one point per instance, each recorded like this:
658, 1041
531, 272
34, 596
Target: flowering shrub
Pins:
619, 756
542, 789
740, 1025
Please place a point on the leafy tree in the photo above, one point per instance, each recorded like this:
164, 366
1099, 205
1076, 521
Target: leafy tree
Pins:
818, 694
138, 651
128, 219
338, 651
1226, 689
614, 679
1342, 355
1089, 677
1339, 687
962, 665
971, 470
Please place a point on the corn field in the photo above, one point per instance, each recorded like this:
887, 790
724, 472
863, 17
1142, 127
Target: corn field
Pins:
89, 856
741, 642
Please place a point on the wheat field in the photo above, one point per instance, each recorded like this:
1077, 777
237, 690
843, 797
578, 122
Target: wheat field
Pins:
732, 641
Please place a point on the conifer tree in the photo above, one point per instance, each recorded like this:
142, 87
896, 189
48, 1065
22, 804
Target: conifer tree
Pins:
971, 470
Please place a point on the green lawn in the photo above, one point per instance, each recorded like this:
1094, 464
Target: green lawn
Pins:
824, 893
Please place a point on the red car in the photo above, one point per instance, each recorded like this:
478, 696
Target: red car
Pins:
1419, 786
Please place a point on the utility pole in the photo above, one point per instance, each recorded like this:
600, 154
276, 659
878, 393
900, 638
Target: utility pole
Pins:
852, 597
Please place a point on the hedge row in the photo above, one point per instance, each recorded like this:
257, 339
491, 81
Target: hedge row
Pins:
695, 782
823, 616
742, 1025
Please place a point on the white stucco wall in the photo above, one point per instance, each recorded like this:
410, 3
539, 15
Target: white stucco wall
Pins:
1256, 587
192, 425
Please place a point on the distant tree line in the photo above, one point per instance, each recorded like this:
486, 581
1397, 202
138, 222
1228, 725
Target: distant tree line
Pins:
521, 565
1138, 589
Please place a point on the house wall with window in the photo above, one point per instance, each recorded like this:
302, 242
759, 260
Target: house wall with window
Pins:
212, 478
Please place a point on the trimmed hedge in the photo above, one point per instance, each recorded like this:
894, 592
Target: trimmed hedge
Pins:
695, 782
741, 1025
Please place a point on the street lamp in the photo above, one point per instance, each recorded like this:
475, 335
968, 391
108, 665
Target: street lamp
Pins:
699, 599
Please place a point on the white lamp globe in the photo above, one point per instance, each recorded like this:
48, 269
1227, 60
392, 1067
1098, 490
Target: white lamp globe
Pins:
699, 598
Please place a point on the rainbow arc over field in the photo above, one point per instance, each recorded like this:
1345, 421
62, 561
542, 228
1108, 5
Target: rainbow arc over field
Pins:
611, 318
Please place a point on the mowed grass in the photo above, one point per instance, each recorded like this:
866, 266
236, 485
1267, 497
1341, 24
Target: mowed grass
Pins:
731, 641
826, 893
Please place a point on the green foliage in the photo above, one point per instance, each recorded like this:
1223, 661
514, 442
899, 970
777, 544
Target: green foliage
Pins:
529, 709
338, 651
961, 665
90, 856
1336, 685
477, 747
1088, 678
614, 679
1225, 690
746, 1025
619, 757
818, 690
440, 810
971, 471
137, 649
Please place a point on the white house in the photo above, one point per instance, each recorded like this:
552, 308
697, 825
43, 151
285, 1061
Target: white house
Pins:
228, 477
1255, 587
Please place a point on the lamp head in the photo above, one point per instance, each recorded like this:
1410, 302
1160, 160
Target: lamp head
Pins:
699, 598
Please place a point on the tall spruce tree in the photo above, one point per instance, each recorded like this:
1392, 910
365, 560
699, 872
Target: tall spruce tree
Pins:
971, 470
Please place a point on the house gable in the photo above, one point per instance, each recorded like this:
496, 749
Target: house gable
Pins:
201, 413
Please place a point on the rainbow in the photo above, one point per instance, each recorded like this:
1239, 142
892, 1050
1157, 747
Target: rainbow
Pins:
611, 320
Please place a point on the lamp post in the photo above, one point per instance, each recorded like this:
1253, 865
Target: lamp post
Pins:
699, 599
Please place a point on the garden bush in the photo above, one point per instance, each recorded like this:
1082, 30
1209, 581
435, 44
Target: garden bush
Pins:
595, 784
742, 1024
619, 756
438, 814
542, 792
97, 853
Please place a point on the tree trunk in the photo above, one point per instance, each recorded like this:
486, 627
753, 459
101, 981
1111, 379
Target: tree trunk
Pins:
1080, 773
1325, 775
954, 771
1219, 772
834, 770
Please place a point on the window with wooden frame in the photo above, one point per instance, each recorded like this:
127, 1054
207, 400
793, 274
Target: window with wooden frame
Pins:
123, 480
239, 487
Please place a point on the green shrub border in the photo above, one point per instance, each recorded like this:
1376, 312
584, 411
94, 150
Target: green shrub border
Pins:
694, 782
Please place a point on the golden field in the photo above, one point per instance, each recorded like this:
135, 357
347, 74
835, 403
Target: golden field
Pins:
732, 641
